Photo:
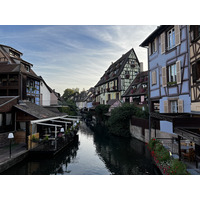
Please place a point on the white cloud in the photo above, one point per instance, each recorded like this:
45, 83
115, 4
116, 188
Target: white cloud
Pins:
76, 56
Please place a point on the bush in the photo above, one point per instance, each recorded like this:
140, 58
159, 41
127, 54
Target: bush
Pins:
100, 110
162, 158
118, 123
177, 168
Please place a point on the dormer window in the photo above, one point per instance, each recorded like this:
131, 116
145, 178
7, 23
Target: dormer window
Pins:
27, 68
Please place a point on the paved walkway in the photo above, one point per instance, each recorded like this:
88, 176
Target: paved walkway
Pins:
16, 150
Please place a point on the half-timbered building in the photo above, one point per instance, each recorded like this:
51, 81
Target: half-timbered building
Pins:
17, 77
137, 92
169, 73
117, 78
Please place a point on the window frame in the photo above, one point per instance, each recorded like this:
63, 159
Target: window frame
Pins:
173, 106
170, 74
170, 38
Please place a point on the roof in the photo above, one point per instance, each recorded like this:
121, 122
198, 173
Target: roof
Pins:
141, 78
6, 99
112, 101
36, 111
11, 48
152, 36
7, 68
115, 68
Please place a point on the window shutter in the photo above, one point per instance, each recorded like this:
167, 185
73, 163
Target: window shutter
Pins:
166, 106
194, 73
178, 71
177, 35
164, 76
149, 49
163, 43
155, 41
180, 106
154, 81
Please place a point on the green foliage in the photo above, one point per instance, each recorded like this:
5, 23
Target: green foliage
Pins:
118, 123
152, 144
162, 157
100, 110
46, 138
68, 93
71, 109
34, 139
178, 168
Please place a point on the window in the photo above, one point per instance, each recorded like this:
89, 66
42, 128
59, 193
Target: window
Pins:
27, 68
174, 106
196, 72
172, 73
171, 39
194, 32
152, 47
8, 119
117, 95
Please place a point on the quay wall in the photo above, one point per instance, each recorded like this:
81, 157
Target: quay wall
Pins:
139, 129
16, 159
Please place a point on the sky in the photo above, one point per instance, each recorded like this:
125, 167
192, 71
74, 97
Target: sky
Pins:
71, 56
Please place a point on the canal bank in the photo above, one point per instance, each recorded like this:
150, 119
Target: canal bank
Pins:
18, 154
95, 153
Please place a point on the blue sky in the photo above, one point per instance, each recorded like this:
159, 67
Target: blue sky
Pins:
70, 56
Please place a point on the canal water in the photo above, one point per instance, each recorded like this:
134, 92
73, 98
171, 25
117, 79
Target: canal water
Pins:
93, 153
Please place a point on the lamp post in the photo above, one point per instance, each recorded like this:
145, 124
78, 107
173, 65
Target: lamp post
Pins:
10, 137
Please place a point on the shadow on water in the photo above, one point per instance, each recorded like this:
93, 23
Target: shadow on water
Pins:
123, 156
94, 152
54, 166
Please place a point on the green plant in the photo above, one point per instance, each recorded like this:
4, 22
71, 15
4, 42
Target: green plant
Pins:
100, 110
34, 139
171, 83
152, 143
177, 168
46, 138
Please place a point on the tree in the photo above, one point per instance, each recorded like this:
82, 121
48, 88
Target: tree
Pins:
100, 110
118, 123
68, 96
68, 93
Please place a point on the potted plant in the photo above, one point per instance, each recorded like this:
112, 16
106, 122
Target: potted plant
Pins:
171, 83
34, 139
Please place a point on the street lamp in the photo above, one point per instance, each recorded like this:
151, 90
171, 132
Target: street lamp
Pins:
62, 130
10, 137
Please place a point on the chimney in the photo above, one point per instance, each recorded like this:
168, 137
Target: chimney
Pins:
141, 66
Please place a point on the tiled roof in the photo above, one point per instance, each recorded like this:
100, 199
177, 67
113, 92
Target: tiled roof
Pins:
7, 68
111, 102
36, 111
141, 78
154, 34
5, 100
114, 67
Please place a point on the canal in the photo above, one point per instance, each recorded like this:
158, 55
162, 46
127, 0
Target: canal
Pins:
93, 153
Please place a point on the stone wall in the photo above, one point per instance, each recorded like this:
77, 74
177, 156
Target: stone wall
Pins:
142, 134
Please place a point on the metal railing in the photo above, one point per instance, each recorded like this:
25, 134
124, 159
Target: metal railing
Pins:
170, 144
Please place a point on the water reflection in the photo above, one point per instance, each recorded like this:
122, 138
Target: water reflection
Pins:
94, 152
123, 156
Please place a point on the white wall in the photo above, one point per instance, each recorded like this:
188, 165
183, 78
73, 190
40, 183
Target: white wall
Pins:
45, 95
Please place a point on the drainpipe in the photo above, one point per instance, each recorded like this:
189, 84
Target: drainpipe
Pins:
149, 101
